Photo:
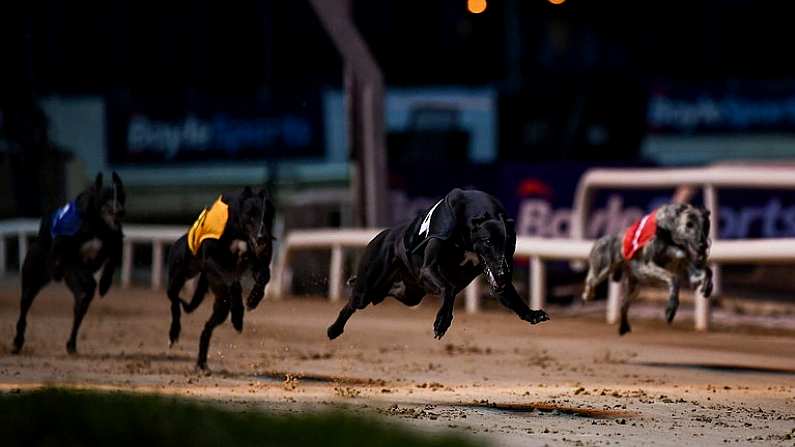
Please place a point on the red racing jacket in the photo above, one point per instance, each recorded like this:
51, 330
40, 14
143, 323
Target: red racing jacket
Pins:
639, 234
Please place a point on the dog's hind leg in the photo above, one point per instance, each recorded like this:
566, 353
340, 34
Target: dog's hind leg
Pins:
220, 313
236, 305
83, 286
176, 281
373, 280
34, 277
202, 287
630, 295
594, 278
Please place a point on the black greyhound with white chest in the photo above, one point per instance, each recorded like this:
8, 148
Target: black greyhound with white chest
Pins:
440, 252
74, 242
228, 238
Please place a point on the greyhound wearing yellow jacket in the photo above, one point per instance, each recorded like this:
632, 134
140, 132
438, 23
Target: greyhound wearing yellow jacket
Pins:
231, 236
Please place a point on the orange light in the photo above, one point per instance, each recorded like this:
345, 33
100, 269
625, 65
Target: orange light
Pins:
556, 2
476, 6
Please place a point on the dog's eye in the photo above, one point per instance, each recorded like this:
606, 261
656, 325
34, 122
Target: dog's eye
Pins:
488, 242
689, 224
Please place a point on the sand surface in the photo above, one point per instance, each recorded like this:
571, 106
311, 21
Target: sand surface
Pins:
569, 381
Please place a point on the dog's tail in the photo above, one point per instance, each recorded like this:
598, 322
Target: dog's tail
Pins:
198, 295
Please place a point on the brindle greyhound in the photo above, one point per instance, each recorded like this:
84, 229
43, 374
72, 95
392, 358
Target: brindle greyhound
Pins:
74, 242
233, 235
668, 244
440, 252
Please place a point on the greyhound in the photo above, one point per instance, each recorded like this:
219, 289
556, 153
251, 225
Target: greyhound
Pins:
670, 243
440, 252
74, 242
228, 238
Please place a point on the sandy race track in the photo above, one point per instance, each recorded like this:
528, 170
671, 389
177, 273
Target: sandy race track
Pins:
570, 381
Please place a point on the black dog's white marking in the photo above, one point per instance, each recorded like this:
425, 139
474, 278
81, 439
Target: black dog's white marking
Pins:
440, 252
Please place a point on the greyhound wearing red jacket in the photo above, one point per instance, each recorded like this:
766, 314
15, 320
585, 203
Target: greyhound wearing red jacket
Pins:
664, 246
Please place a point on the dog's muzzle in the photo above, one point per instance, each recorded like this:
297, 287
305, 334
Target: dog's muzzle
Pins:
496, 273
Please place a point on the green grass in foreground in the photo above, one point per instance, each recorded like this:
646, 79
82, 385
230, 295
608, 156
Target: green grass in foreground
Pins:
61, 417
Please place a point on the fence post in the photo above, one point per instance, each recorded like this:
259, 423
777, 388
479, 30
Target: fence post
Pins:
711, 203
703, 311
538, 287
702, 305
335, 274
615, 290
472, 296
23, 248
157, 264
3, 260
126, 264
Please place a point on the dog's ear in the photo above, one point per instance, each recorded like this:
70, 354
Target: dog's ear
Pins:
119, 186
98, 182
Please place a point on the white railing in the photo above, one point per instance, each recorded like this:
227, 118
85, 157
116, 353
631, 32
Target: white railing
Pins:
538, 250
156, 235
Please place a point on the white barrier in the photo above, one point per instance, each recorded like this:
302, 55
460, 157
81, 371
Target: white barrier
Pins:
157, 235
537, 249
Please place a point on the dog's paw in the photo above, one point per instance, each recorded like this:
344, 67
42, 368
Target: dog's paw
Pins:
254, 298
624, 328
334, 331
537, 316
201, 367
237, 322
670, 313
706, 289
71, 347
173, 334
104, 285
441, 325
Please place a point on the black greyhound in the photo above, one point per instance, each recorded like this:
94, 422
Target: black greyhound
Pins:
74, 243
231, 236
440, 252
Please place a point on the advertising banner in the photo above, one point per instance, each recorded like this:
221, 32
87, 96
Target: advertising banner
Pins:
197, 127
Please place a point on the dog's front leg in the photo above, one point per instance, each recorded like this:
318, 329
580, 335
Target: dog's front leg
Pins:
114, 260
433, 280
653, 272
510, 299
701, 277
260, 269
